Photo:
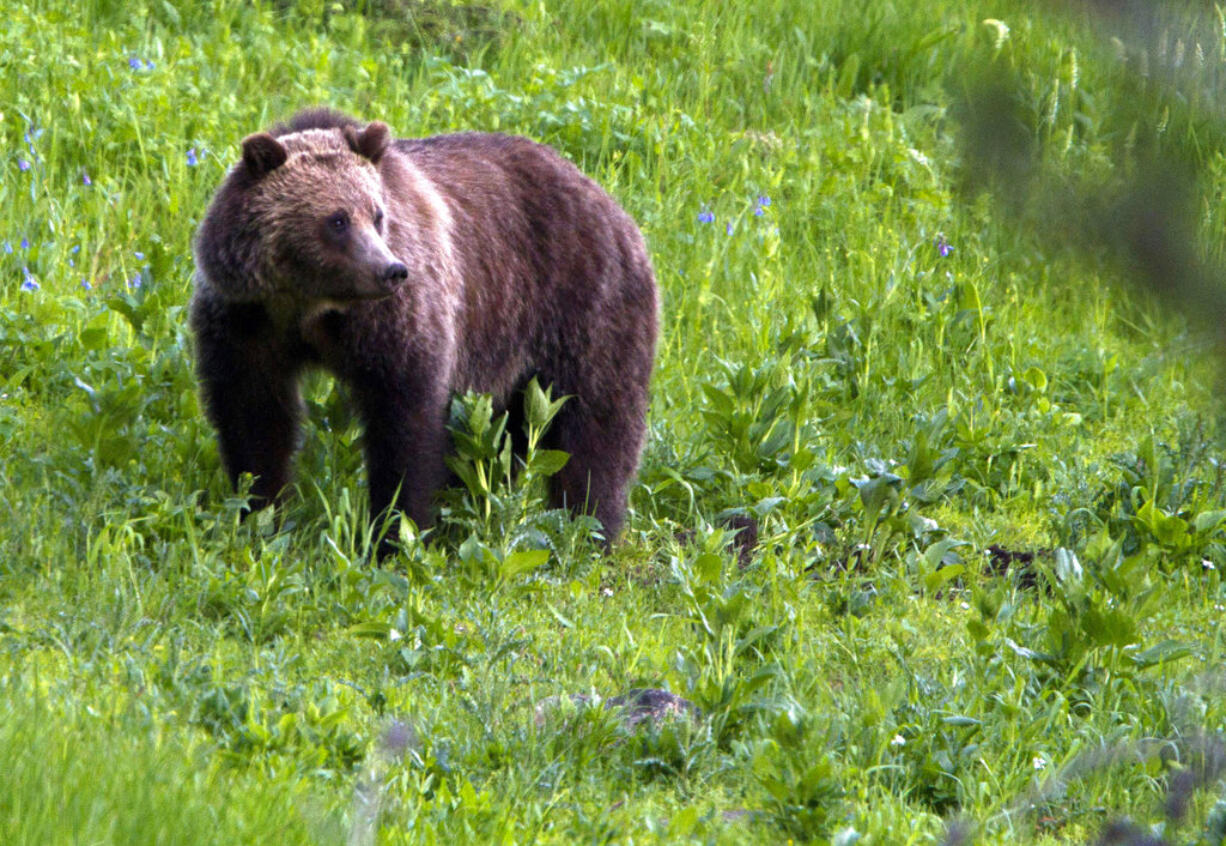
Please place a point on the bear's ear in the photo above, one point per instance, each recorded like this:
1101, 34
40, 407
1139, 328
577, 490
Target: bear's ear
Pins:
371, 142
262, 154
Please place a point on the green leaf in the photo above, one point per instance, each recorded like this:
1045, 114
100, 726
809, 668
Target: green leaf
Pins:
524, 561
936, 578
1168, 650
935, 556
1068, 568
1109, 628
1209, 521
546, 462
370, 628
709, 566
961, 721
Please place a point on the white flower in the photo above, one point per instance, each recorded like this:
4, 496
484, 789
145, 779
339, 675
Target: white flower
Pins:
392, 634
898, 740
1039, 762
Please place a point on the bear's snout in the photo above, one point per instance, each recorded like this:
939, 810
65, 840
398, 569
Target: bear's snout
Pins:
395, 273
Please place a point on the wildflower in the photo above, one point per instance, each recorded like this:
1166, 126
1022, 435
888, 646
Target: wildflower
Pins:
85, 284
898, 740
139, 255
728, 228
25, 243
192, 161
23, 165
30, 283
757, 212
1039, 762
8, 248
85, 180
76, 249
31, 135
943, 246
763, 201
134, 63
706, 216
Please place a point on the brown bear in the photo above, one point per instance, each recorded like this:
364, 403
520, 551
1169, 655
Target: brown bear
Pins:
413, 269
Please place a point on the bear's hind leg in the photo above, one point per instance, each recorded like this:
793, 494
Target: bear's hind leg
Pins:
604, 451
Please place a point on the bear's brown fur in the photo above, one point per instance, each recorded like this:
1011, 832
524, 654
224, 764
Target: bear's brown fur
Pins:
413, 269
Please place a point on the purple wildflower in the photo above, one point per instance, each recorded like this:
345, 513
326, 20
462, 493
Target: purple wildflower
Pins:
192, 161
728, 228
943, 246
134, 63
139, 255
23, 165
85, 284
706, 216
757, 212
25, 243
30, 283
85, 180
763, 201
76, 249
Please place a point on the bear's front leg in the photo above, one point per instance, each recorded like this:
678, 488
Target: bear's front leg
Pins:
406, 443
251, 397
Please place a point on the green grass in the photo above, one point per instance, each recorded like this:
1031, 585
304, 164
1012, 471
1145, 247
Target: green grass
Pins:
885, 411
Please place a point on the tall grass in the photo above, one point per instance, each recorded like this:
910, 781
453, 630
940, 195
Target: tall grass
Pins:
986, 472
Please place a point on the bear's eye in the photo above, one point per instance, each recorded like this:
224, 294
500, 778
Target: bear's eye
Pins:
339, 222
379, 220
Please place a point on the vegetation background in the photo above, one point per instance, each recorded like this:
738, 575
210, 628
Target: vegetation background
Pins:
899, 246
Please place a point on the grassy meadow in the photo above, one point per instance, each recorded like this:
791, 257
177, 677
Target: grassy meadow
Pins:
938, 316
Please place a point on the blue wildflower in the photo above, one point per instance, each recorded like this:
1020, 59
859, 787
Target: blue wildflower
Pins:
75, 249
30, 283
192, 161
25, 243
758, 212
728, 228
943, 246
706, 216
139, 255
763, 201
149, 66
23, 165
8, 248
85, 180
85, 284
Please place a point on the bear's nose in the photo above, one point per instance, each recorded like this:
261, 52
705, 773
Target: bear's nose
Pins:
395, 272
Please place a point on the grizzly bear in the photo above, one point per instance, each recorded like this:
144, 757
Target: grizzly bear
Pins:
413, 269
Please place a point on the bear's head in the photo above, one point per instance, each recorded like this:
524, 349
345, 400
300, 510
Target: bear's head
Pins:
303, 215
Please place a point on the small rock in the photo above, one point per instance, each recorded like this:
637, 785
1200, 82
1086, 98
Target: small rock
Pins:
634, 707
